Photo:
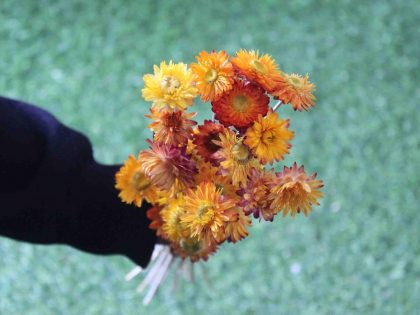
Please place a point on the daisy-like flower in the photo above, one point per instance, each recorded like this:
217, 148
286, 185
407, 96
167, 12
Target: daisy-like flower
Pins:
241, 106
255, 195
172, 226
133, 184
194, 248
296, 90
207, 212
236, 158
207, 172
293, 191
204, 140
156, 222
269, 138
213, 74
236, 230
168, 166
261, 69
171, 127
170, 87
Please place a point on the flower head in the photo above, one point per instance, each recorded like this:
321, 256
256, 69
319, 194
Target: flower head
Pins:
172, 226
194, 248
255, 195
296, 90
207, 212
236, 229
168, 166
293, 191
261, 69
171, 86
133, 184
241, 106
213, 74
269, 138
204, 139
171, 127
235, 157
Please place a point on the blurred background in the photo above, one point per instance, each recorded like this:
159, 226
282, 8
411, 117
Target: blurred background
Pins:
358, 253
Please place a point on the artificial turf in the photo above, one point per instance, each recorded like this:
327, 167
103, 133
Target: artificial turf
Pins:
358, 253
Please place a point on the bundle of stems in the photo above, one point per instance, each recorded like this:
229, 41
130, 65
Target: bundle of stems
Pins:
161, 264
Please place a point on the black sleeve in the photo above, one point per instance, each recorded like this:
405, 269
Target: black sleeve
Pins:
52, 191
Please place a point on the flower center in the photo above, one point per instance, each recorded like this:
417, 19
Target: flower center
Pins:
268, 137
210, 145
240, 152
258, 66
295, 190
296, 82
191, 246
140, 181
172, 121
210, 76
240, 103
169, 84
205, 213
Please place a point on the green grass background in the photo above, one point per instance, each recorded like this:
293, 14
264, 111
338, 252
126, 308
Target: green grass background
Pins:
358, 253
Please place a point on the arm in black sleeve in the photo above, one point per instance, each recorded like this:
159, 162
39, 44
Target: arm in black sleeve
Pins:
52, 191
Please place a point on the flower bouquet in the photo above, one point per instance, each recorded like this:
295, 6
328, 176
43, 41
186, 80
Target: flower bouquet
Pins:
206, 181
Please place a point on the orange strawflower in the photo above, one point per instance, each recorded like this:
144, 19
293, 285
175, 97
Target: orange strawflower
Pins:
296, 90
293, 191
269, 138
261, 69
241, 106
133, 184
204, 140
168, 166
237, 229
207, 212
213, 74
235, 158
171, 127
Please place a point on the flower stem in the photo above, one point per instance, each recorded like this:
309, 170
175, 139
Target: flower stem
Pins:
277, 105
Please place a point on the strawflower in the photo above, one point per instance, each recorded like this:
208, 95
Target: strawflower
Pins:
172, 226
260, 69
297, 91
204, 140
171, 127
168, 166
213, 74
207, 212
235, 157
133, 184
269, 138
237, 229
170, 87
241, 106
294, 191
255, 195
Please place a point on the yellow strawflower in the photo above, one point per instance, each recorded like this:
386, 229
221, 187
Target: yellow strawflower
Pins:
170, 87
